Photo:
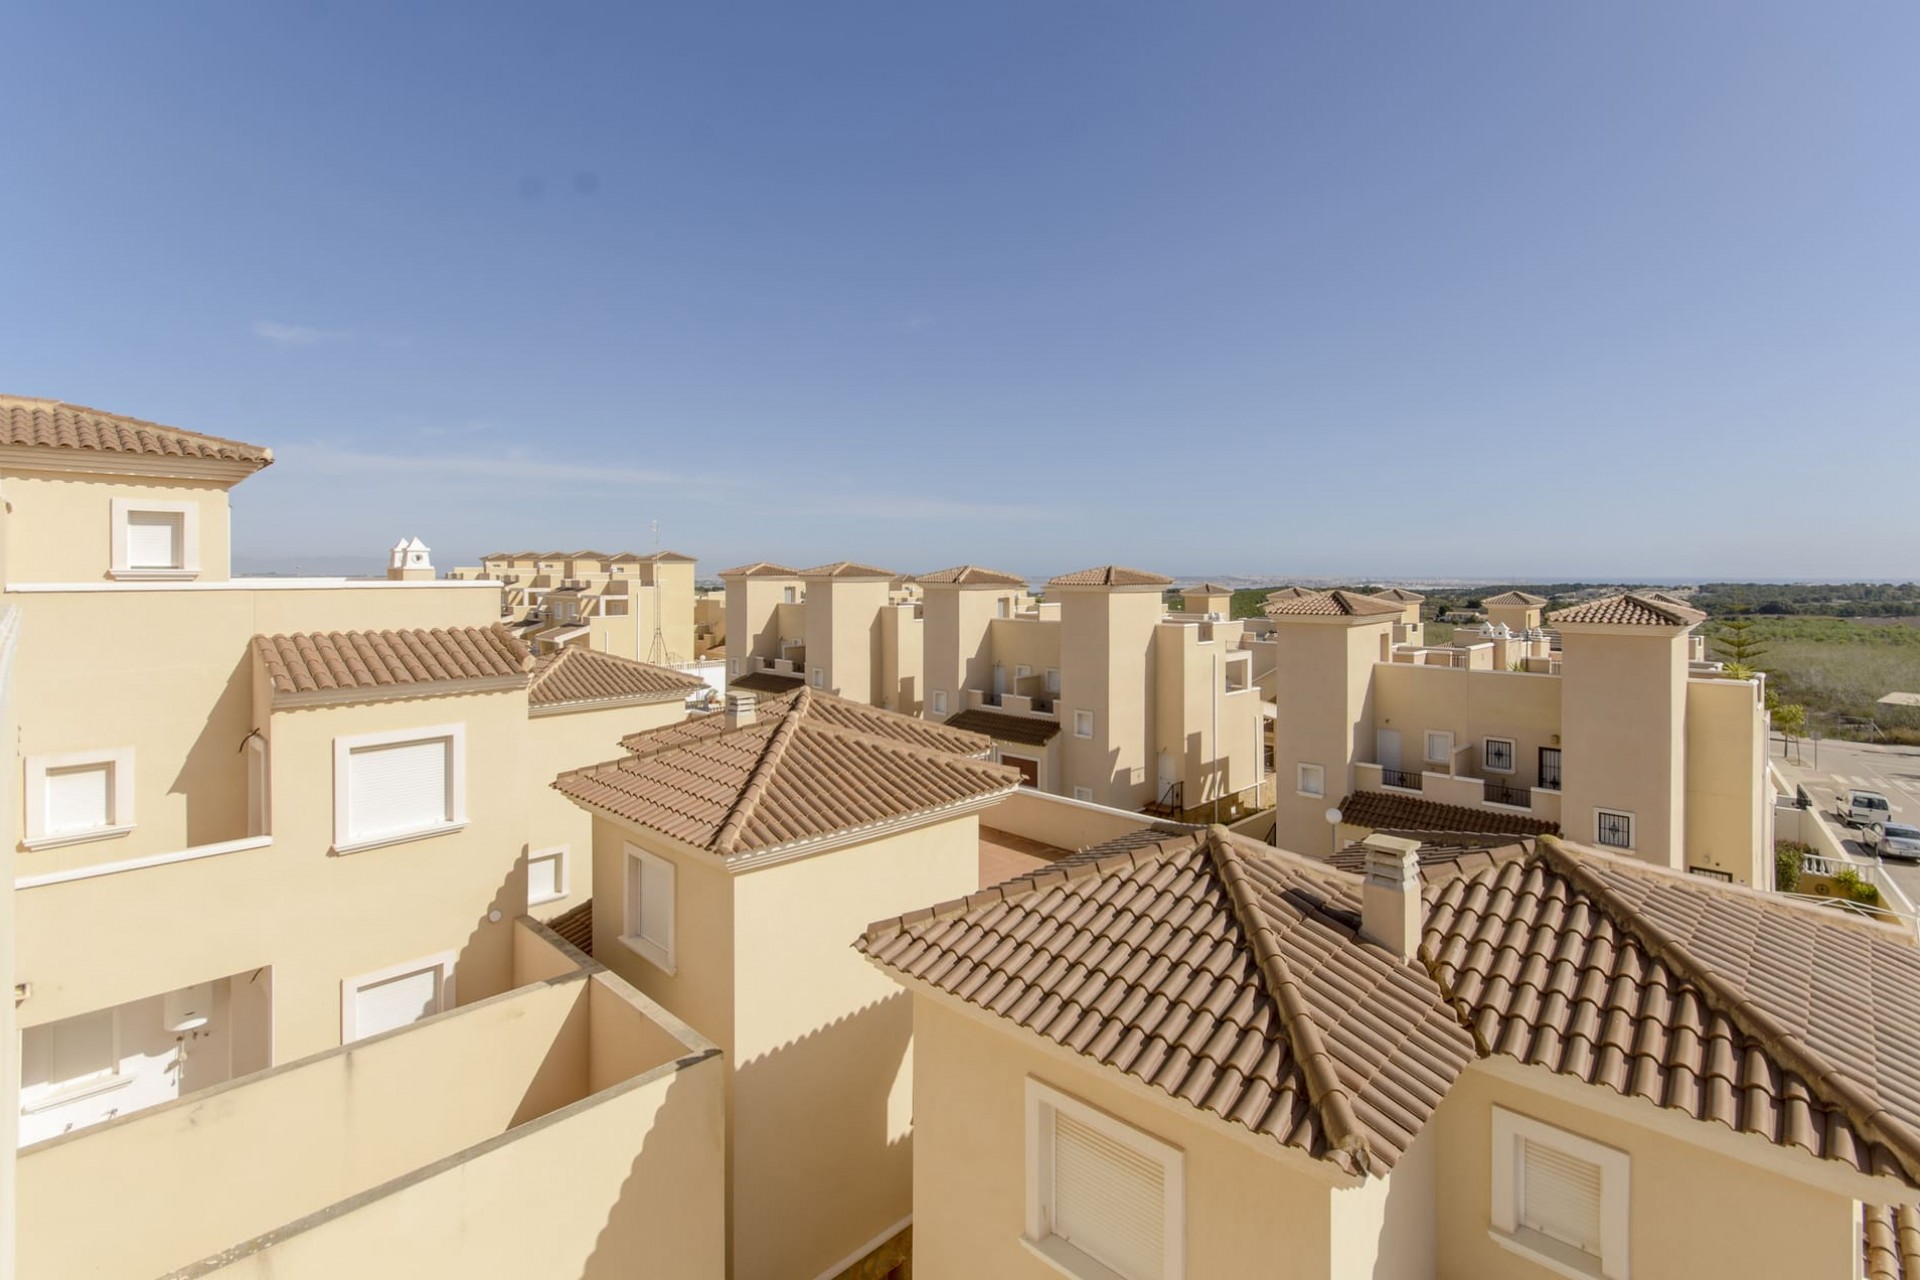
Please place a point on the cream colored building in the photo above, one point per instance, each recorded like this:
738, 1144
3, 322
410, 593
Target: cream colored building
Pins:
1097, 693
735, 856
265, 822
845, 628
630, 605
1622, 736
1187, 1054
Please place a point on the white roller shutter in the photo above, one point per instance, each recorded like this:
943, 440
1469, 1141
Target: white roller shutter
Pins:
543, 877
396, 1002
1560, 1196
654, 919
153, 539
403, 787
79, 799
1109, 1200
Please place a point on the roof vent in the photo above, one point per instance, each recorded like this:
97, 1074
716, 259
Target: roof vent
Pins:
740, 709
1390, 898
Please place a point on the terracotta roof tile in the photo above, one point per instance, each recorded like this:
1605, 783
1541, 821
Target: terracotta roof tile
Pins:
1209, 589
845, 569
830, 709
759, 569
1291, 593
1511, 599
1399, 595
588, 675
766, 682
1328, 604
967, 575
51, 424
1031, 731
321, 660
1890, 1242
1110, 575
1383, 811
575, 926
1629, 610
1795, 1025
798, 772
1228, 975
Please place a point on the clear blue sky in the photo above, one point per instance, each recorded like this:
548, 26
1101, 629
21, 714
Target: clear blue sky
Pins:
1475, 289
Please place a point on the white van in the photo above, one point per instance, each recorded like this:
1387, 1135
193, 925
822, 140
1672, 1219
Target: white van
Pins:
1862, 808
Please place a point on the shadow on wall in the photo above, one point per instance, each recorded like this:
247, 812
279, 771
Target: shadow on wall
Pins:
484, 966
822, 1143
213, 776
660, 1221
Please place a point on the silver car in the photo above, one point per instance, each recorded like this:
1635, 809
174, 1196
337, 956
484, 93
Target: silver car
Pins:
1895, 841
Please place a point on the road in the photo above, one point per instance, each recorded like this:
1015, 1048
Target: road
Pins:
1837, 766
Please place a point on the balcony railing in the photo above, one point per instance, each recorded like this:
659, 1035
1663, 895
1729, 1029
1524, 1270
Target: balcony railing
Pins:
1518, 797
1400, 778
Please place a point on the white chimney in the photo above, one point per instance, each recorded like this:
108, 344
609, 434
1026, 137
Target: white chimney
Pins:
740, 709
410, 561
1390, 908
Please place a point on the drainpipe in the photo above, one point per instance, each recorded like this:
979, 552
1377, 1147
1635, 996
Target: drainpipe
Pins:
1216, 733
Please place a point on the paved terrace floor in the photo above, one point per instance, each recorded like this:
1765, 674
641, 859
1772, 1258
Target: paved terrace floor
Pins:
1004, 855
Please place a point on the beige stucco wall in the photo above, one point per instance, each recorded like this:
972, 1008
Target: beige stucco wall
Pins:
1324, 672
1471, 705
1106, 668
70, 519
1624, 719
958, 654
753, 620
843, 635
1058, 821
9, 1036
1247, 1213
902, 659
1727, 803
1692, 1212
1191, 707
573, 740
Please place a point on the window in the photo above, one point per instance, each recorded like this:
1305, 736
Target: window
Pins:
1613, 829
1559, 1198
1439, 747
78, 796
733, 666
155, 539
546, 876
1021, 671
819, 677
789, 597
60, 1061
395, 997
398, 786
616, 608
1312, 780
1004, 607
1083, 724
939, 702
1103, 1198
1550, 768
648, 926
1083, 793
1053, 680
1496, 755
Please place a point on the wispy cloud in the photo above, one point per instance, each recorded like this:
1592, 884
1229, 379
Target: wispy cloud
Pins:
334, 460
296, 335
909, 506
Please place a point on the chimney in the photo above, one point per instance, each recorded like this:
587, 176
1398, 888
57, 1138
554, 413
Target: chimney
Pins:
1390, 906
739, 710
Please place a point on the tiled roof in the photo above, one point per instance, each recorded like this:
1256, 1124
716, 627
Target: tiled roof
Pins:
765, 682
1291, 593
1629, 610
1890, 1242
845, 569
1443, 858
830, 709
1508, 599
319, 660
796, 773
759, 569
1328, 604
1795, 1025
1028, 730
575, 925
966, 575
588, 675
1399, 595
1110, 575
51, 424
1228, 975
1209, 589
1383, 811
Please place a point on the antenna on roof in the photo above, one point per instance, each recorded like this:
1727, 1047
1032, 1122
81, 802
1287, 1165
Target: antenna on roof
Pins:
657, 651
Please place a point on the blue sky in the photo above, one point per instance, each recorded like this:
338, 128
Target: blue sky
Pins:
1464, 289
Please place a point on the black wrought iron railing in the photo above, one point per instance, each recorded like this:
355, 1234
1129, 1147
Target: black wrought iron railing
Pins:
1400, 778
1519, 797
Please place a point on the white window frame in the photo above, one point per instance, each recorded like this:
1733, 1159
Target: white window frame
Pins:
1510, 1129
189, 513
113, 1077
1426, 746
343, 749
1053, 681
939, 702
1021, 671
1633, 828
1078, 732
790, 595
733, 666
1003, 607
819, 678
119, 763
1310, 780
1083, 794
660, 955
563, 879
1042, 1102
350, 987
1513, 754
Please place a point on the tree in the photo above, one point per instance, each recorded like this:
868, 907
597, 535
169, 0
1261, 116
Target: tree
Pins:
1737, 642
1790, 719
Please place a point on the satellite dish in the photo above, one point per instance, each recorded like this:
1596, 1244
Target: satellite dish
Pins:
1333, 817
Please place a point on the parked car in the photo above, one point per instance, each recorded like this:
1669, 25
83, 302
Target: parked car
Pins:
1862, 808
1895, 840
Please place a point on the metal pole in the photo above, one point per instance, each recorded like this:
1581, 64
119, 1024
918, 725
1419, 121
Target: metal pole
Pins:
1216, 730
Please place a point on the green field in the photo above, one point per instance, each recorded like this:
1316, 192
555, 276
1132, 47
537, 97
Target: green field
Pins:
1839, 669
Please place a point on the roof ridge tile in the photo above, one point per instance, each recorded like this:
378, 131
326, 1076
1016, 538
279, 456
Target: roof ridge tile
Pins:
756, 785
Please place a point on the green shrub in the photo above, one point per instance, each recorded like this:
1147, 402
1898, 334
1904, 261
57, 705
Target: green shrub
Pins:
1849, 883
1788, 855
